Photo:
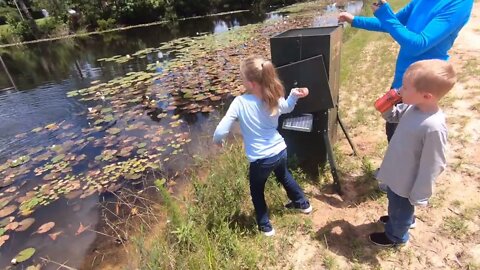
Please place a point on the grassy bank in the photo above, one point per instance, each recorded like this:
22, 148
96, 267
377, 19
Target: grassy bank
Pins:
213, 226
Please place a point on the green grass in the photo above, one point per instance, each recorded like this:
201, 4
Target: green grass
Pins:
455, 226
330, 262
216, 229
4, 30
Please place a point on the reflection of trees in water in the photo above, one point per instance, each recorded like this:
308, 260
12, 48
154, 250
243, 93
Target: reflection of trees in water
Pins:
33, 65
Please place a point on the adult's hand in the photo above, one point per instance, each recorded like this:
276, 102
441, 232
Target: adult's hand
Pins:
376, 5
345, 17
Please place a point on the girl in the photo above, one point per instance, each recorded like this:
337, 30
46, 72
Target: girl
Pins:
258, 111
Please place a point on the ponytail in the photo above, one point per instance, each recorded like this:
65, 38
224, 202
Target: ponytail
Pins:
263, 72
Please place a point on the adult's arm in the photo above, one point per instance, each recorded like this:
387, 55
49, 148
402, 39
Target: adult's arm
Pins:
441, 26
373, 24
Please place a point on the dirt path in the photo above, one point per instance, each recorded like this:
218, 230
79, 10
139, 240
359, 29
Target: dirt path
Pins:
447, 235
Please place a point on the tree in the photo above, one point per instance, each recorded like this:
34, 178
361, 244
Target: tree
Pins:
31, 21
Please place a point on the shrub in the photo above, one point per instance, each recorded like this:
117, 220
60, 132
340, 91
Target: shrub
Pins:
106, 24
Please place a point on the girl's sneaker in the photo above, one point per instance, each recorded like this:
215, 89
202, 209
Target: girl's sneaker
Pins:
384, 220
268, 231
306, 209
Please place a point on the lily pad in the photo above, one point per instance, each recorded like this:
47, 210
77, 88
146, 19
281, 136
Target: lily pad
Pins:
45, 227
3, 239
19, 161
25, 224
24, 255
6, 211
58, 158
4, 222
133, 176
113, 131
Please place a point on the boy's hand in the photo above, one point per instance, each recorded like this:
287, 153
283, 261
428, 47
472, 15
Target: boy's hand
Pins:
345, 17
300, 92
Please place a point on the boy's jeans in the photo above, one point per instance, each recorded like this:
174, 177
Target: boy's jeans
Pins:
258, 174
400, 212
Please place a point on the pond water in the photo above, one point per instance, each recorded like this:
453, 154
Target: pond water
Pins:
90, 116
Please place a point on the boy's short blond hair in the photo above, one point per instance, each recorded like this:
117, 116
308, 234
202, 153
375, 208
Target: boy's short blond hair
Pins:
434, 76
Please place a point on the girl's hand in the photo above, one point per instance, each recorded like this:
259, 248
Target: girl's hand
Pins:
300, 92
345, 17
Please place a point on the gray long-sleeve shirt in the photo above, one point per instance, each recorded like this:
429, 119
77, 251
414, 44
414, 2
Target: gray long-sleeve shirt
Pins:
416, 154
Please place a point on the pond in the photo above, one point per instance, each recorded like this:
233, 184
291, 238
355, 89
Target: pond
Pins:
92, 116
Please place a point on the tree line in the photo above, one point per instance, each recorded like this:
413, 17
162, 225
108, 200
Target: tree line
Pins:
90, 15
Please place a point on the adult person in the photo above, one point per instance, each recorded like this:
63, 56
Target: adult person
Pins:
424, 29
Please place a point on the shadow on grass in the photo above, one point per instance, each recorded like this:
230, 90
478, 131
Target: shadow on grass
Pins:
355, 190
350, 241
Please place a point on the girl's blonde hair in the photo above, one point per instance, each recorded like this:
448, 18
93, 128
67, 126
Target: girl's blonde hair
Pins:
256, 69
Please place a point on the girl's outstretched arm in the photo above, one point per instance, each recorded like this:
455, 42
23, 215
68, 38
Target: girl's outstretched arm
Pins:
226, 123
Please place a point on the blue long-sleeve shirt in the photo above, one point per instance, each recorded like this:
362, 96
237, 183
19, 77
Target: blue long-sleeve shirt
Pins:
425, 29
259, 128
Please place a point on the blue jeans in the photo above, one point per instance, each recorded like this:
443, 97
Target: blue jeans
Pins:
258, 175
400, 212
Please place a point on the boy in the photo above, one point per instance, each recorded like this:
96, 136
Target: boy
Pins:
416, 153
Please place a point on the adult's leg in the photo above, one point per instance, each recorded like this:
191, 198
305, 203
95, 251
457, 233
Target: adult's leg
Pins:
390, 130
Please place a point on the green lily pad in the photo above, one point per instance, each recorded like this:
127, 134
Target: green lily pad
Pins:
133, 176
19, 161
24, 255
58, 158
57, 148
113, 131
106, 110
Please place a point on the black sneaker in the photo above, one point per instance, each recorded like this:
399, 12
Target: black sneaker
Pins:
384, 220
381, 239
306, 209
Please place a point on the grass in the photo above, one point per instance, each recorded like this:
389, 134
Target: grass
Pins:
455, 226
330, 262
216, 228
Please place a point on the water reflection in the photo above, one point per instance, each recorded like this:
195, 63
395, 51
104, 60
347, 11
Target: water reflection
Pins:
330, 17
